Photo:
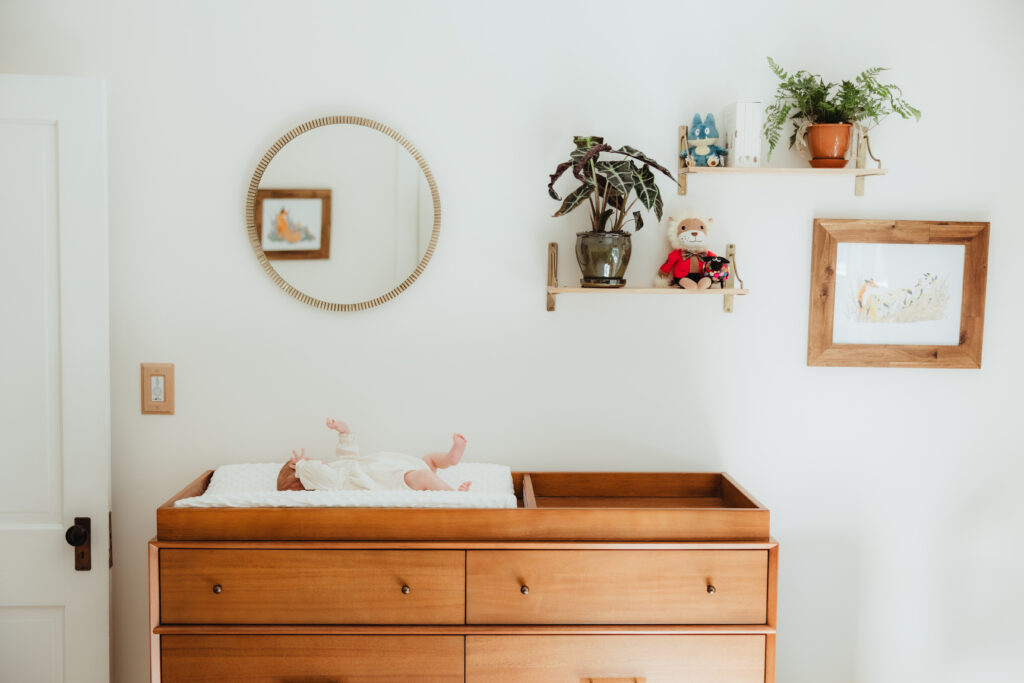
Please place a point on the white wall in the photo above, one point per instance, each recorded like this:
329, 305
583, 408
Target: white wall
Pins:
893, 492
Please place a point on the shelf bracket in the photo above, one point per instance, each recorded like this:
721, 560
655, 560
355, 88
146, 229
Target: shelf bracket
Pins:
552, 272
858, 183
682, 161
730, 253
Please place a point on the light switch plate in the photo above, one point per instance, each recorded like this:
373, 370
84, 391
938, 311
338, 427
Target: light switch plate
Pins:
158, 388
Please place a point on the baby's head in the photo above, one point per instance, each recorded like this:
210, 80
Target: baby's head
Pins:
286, 479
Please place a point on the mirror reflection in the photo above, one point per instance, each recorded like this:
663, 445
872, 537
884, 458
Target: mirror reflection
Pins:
345, 213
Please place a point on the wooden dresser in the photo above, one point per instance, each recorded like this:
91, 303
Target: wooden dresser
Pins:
609, 577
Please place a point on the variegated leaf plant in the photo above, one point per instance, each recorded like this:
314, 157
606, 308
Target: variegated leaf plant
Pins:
608, 184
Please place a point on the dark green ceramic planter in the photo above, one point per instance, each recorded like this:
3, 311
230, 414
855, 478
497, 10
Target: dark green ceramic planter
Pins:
603, 257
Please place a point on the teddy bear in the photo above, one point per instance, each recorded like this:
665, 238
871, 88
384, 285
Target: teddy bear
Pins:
691, 265
701, 143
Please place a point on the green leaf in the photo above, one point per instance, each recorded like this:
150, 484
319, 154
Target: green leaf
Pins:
638, 221
575, 198
555, 176
606, 190
591, 154
586, 141
637, 154
583, 144
619, 173
647, 191
604, 219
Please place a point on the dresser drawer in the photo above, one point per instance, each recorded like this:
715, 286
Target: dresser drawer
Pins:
616, 586
288, 659
658, 659
199, 586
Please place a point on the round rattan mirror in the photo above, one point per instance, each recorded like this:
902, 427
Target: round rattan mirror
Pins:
343, 213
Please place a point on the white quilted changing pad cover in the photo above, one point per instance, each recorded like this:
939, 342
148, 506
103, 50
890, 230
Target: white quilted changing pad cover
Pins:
255, 485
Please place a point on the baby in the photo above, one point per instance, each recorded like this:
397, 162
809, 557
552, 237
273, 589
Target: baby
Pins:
380, 471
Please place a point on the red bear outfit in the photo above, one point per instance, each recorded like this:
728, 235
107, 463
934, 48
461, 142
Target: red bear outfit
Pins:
679, 267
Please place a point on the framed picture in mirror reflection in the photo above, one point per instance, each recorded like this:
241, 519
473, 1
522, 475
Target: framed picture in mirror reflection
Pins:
294, 224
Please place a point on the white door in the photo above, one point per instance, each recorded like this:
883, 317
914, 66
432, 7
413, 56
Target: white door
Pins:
54, 379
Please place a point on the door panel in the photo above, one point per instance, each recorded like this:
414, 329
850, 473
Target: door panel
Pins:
54, 395
30, 490
31, 643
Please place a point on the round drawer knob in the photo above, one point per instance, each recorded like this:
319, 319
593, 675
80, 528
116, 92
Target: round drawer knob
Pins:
525, 590
217, 588
406, 590
711, 589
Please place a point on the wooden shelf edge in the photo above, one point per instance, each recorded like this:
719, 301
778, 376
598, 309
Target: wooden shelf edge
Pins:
687, 170
645, 290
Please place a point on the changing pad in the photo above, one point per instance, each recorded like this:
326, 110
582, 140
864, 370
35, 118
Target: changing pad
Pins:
255, 485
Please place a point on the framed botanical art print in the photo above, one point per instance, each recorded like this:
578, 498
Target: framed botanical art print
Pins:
294, 224
897, 293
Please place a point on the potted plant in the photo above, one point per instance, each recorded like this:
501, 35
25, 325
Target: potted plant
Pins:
611, 188
824, 113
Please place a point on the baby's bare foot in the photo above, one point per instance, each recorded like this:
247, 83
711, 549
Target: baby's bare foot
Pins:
464, 486
458, 448
337, 425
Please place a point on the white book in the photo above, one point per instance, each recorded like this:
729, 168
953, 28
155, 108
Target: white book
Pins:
742, 124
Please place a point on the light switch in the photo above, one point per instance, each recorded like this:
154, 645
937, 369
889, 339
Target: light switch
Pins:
158, 388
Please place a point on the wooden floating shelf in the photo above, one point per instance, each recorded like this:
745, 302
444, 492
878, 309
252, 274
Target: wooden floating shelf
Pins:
858, 172
553, 289
645, 290
808, 170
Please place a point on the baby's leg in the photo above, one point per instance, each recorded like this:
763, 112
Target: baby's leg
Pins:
442, 460
427, 480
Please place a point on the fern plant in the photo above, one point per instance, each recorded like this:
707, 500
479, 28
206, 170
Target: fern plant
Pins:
807, 99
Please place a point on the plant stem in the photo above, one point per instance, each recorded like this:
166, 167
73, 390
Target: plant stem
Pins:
623, 214
595, 216
604, 198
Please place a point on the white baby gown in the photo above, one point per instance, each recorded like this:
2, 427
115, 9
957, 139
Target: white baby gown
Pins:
353, 472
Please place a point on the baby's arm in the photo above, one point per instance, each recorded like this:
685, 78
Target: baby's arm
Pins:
347, 445
317, 476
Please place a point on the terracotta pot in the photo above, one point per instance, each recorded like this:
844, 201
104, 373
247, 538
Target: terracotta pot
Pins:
828, 143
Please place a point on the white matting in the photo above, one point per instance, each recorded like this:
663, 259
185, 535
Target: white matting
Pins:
255, 485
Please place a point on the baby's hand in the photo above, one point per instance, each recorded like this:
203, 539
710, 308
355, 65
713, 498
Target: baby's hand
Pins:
297, 457
337, 425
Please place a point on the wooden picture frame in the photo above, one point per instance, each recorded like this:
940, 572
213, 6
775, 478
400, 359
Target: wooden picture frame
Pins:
829, 234
322, 251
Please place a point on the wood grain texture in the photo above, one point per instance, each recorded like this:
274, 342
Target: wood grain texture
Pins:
773, 606
312, 659
391, 524
154, 612
616, 587
468, 629
312, 586
461, 545
828, 233
529, 497
659, 659
607, 523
